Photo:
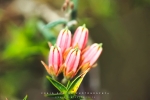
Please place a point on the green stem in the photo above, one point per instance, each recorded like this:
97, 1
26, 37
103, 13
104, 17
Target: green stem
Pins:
74, 11
67, 96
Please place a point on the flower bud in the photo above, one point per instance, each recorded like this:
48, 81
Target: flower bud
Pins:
80, 37
64, 6
54, 61
90, 56
72, 62
64, 39
71, 5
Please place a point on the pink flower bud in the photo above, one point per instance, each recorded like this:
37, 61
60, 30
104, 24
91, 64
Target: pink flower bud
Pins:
72, 62
55, 57
64, 39
80, 37
54, 61
91, 55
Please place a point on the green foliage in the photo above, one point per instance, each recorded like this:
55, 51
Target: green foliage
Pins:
70, 90
74, 85
23, 41
58, 85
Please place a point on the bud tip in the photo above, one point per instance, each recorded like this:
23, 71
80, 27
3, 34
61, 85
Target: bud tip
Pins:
84, 25
66, 28
101, 44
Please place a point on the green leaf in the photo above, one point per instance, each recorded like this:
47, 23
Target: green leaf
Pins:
58, 85
68, 84
73, 87
54, 23
56, 96
25, 98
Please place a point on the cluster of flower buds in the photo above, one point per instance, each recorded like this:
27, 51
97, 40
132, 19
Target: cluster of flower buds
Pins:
70, 54
67, 4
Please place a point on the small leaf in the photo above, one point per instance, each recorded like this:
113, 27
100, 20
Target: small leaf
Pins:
54, 23
25, 98
56, 96
73, 87
58, 85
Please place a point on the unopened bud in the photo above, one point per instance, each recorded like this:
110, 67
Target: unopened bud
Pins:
64, 39
80, 37
71, 5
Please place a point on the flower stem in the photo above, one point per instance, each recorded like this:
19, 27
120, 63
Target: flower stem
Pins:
67, 96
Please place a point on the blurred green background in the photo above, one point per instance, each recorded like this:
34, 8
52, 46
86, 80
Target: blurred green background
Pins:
123, 26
